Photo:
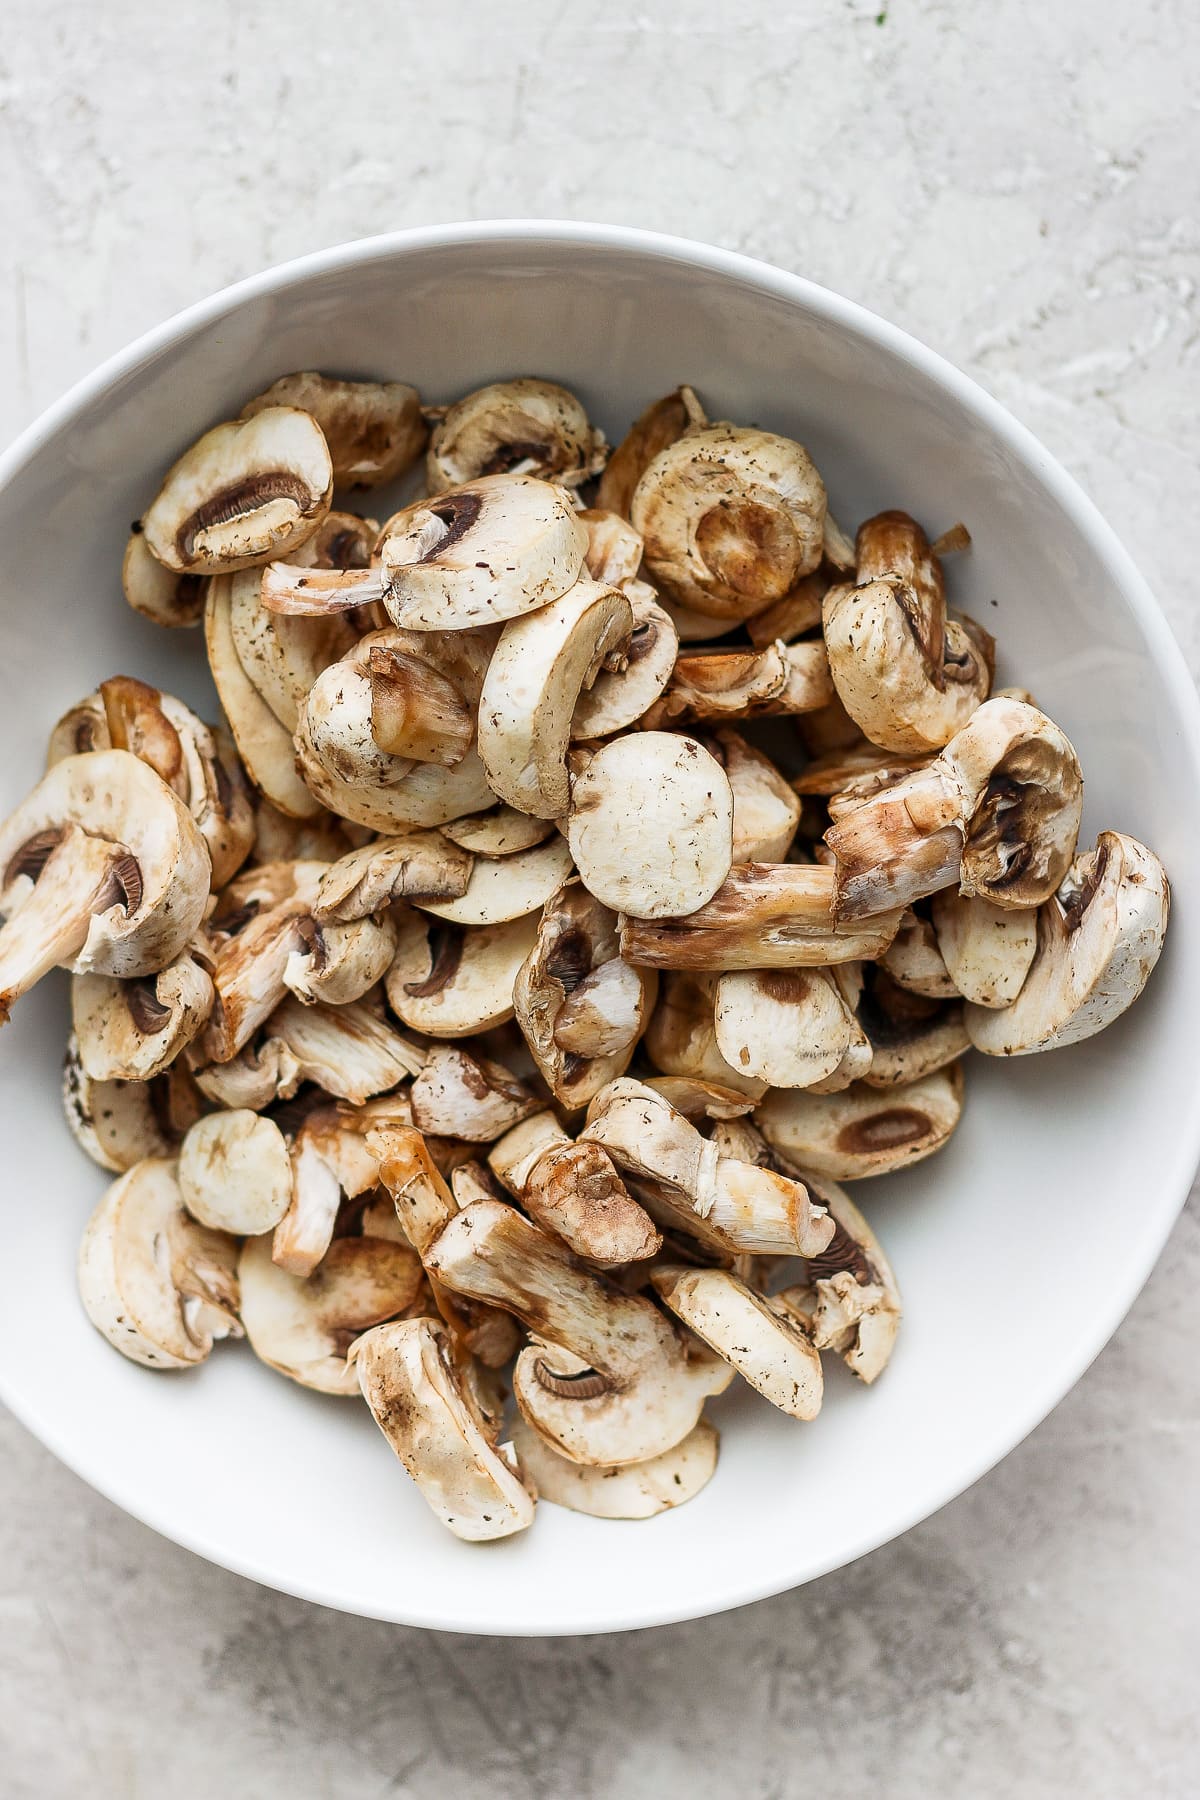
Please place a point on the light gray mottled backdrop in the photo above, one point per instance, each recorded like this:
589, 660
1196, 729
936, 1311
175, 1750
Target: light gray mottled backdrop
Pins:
1015, 183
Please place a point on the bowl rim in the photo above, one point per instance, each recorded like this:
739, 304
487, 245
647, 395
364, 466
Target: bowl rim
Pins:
1162, 646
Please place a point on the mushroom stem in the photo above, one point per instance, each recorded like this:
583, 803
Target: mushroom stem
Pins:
80, 877
415, 711
306, 593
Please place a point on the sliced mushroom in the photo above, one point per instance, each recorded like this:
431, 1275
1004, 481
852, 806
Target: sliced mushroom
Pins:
909, 1035
521, 427
335, 726
419, 794
416, 711
338, 963
500, 831
131, 1030
265, 746
419, 1401
997, 813
914, 958
374, 429
768, 1350
305, 1328
281, 657
745, 684
786, 1027
764, 916
458, 1095
258, 1075
663, 422
854, 771
863, 1130
853, 1305
1098, 940
614, 549
158, 593
513, 1158
234, 1173
631, 678
638, 1392
246, 491
731, 518
347, 1050
651, 824
766, 813
681, 1038
157, 1285
790, 617
574, 1191
263, 918
698, 1100
454, 980
329, 1157
102, 870
637, 1491
417, 865
506, 887
115, 1123
986, 950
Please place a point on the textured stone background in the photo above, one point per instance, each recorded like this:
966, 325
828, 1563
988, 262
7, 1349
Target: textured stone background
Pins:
1015, 183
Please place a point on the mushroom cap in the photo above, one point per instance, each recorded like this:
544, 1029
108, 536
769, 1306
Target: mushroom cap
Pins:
348, 1050
662, 422
525, 426
620, 696
506, 887
335, 722
304, 1328
1022, 802
261, 919
414, 865
329, 1157
1098, 940
454, 980
158, 593
159, 1286
374, 429
786, 1027
637, 1491
259, 1074
697, 1099
731, 518
248, 490
513, 1158
986, 950
651, 825
264, 745
131, 1030
115, 1123
408, 1379
862, 1130
681, 1037
768, 1350
459, 1095
235, 1174
340, 962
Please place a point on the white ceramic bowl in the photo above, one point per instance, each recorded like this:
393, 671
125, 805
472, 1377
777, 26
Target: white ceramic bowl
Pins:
1018, 1250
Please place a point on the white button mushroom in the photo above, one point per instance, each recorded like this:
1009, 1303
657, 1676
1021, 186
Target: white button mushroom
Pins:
852, 1305
265, 746
506, 887
115, 1123
786, 1027
132, 1030
160, 594
659, 426
636, 1491
782, 679
521, 427
452, 980
986, 950
416, 865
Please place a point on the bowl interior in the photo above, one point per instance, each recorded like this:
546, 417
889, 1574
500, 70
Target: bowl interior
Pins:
1018, 1249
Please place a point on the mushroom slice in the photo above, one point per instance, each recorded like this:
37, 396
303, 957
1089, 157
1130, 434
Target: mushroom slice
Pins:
574, 1191
698, 1100
329, 1157
374, 429
246, 491
909, 1035
340, 962
347, 1050
506, 887
853, 1305
863, 1130
651, 824
417, 1397
457, 1095
102, 870
521, 427
786, 1027
540, 667
637, 1491
115, 1123
454, 980
614, 549
580, 1007
766, 812
768, 1350
427, 794
158, 593
632, 678
254, 1078
131, 1030
416, 865
281, 657
160, 1287
500, 831
790, 617
335, 726
264, 745
681, 1038
1098, 940
986, 950
663, 422
638, 1392
305, 1328
234, 1173
745, 684
914, 958
765, 916
854, 769
263, 918
997, 813
416, 711
513, 1158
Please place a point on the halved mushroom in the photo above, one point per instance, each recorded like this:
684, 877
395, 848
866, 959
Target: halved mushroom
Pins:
791, 617
246, 491
235, 1174
115, 1123
986, 950
521, 427
500, 831
637, 1491
160, 1287
131, 1030
399, 794
651, 824
863, 1130
662, 423
768, 1350
632, 677
158, 593
766, 812
374, 429
631, 1389
417, 865
745, 684
340, 962
348, 1050
102, 870
334, 726
997, 812
731, 518
458, 1095
506, 887
765, 916
1098, 939
909, 1034
914, 958
454, 980
305, 1328
423, 1407
265, 746
263, 917
785, 1027
852, 1304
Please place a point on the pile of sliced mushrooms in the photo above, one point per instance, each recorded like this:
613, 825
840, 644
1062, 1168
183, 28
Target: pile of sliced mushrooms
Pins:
599, 862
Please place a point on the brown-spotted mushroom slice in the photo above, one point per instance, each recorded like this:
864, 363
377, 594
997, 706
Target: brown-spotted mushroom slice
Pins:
454, 980
863, 1130
374, 429
659, 426
522, 427
1098, 940
410, 794
419, 1401
697, 1099
681, 1037
914, 957
631, 678
986, 950
340, 962
131, 1030
513, 1158
768, 1350
115, 1123
263, 917
852, 1305
160, 1287
261, 1073
460, 1095
506, 887
246, 491
638, 1391
574, 1191
785, 1027
745, 684
416, 710
909, 1034
500, 831
102, 870
160, 594
766, 812
421, 865
264, 745
281, 657
637, 1491
329, 1158
235, 1174
348, 1050
651, 824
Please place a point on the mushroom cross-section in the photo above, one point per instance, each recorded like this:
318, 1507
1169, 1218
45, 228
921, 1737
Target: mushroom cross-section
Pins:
465, 1096
786, 1027
261, 920
264, 745
862, 1130
506, 887
454, 980
745, 684
852, 1305
132, 1030
633, 676
521, 427
766, 812
350, 1050
160, 594
768, 1350
681, 1037
115, 1123
986, 950
637, 1491
235, 1174
414, 865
